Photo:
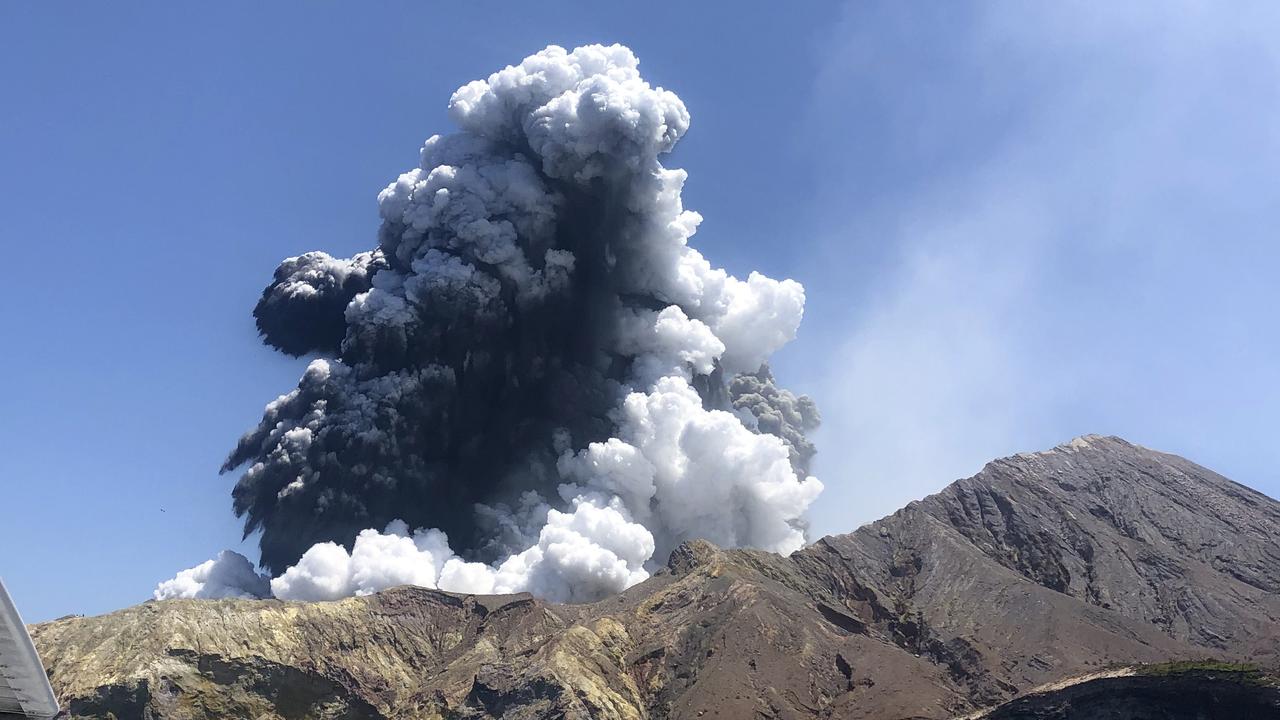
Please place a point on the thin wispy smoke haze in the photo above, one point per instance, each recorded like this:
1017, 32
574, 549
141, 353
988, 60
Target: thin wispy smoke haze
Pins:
1072, 212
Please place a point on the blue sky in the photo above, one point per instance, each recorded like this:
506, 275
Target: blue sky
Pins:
1015, 224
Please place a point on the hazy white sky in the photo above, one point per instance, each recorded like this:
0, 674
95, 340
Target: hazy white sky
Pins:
1075, 209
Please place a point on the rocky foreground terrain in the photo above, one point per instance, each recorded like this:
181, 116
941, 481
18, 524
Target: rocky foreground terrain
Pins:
1016, 593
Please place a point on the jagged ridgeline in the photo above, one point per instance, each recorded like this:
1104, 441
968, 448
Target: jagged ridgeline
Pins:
533, 366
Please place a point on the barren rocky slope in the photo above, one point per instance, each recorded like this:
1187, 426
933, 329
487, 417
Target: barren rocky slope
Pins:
1042, 567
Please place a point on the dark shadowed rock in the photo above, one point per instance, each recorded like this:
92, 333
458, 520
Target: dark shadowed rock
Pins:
1042, 567
1180, 691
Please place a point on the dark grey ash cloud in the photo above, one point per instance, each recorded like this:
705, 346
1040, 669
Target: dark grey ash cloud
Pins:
778, 411
515, 363
303, 309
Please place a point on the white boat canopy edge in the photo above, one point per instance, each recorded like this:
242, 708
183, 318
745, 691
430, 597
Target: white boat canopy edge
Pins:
24, 687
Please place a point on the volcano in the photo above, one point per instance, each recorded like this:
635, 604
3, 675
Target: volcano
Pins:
1097, 578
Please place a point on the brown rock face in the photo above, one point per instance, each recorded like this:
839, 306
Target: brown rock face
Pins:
1041, 567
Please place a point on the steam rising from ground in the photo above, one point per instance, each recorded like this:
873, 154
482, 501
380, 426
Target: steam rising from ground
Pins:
228, 575
533, 382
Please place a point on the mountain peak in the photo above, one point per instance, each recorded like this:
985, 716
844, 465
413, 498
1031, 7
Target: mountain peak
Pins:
1121, 527
1089, 442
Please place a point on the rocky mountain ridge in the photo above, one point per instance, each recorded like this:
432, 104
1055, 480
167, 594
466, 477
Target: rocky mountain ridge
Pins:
1044, 566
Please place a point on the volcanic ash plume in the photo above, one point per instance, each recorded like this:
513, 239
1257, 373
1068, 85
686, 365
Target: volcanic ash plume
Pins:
533, 382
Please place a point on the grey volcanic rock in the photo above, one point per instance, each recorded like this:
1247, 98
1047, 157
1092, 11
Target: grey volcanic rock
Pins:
1049, 564
1040, 568
1149, 535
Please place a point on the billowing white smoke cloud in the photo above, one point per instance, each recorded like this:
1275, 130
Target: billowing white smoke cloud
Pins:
230, 575
681, 463
692, 472
591, 550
